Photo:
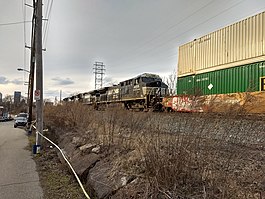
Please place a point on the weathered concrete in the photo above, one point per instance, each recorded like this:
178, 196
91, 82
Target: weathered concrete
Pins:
18, 176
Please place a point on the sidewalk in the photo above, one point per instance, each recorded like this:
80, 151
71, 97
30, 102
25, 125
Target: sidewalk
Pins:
18, 176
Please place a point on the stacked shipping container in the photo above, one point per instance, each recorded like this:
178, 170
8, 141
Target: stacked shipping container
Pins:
226, 61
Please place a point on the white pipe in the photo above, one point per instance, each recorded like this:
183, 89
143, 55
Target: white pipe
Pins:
76, 176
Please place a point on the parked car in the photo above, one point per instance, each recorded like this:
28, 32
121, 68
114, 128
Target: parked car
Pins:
23, 115
7, 117
21, 120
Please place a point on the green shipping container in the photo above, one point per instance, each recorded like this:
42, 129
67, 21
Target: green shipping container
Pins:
250, 77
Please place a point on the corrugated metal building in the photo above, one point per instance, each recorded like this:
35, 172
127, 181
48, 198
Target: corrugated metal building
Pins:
229, 60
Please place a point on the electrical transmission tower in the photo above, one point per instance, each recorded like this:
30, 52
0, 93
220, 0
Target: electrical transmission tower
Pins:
99, 70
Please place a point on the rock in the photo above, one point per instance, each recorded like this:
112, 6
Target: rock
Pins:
106, 180
133, 189
88, 132
77, 141
96, 149
86, 146
83, 163
124, 181
99, 179
62, 160
68, 149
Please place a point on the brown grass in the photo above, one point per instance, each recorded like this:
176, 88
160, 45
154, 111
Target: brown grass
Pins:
175, 155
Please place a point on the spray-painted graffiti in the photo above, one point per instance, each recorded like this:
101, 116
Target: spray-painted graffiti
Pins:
179, 103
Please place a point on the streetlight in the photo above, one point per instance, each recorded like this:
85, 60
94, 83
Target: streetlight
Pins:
30, 94
26, 83
22, 69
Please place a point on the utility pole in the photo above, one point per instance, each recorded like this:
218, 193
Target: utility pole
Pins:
60, 96
39, 71
32, 66
99, 69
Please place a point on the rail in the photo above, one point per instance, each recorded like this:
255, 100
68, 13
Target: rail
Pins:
76, 176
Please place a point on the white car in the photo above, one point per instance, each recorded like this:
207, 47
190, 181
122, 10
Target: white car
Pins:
20, 121
23, 115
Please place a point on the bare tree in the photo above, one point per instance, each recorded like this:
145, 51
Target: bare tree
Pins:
8, 98
171, 81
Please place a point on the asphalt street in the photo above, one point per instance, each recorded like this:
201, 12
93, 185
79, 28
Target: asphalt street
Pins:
18, 176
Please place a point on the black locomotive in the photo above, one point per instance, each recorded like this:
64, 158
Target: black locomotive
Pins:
143, 92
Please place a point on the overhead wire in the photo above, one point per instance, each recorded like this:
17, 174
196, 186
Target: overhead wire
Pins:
14, 23
204, 22
174, 55
24, 35
24, 14
46, 31
143, 53
46, 17
46, 12
170, 27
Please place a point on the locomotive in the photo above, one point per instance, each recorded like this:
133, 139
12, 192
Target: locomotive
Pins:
144, 92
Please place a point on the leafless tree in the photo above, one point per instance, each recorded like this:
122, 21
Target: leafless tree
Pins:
171, 81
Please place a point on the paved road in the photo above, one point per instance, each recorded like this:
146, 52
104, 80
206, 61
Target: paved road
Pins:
18, 176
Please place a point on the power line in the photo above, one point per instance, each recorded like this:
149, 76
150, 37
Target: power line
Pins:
172, 55
14, 23
169, 28
48, 15
45, 15
142, 53
24, 35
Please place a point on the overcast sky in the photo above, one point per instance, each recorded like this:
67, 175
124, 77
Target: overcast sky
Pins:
130, 36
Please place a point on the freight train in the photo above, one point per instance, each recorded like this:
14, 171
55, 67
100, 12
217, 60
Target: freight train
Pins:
229, 60
144, 92
223, 66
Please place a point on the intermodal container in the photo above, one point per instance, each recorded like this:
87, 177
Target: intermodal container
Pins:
245, 78
235, 45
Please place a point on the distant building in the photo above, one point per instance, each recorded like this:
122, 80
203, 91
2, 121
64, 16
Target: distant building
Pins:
1, 98
17, 97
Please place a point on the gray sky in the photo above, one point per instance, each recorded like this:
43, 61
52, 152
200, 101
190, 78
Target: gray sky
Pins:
130, 36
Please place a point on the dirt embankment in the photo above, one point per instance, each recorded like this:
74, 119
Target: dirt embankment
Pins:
121, 154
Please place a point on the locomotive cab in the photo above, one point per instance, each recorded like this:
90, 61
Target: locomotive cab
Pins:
142, 92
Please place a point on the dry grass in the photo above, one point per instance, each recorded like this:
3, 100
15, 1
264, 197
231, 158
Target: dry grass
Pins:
175, 155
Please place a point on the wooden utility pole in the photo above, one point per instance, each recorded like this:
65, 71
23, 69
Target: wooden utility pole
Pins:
39, 71
32, 66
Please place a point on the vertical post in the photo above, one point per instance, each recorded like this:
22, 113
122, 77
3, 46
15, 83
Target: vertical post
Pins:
31, 82
39, 71
32, 65
60, 96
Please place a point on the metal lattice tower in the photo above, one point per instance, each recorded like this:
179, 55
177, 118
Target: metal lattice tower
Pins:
99, 70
